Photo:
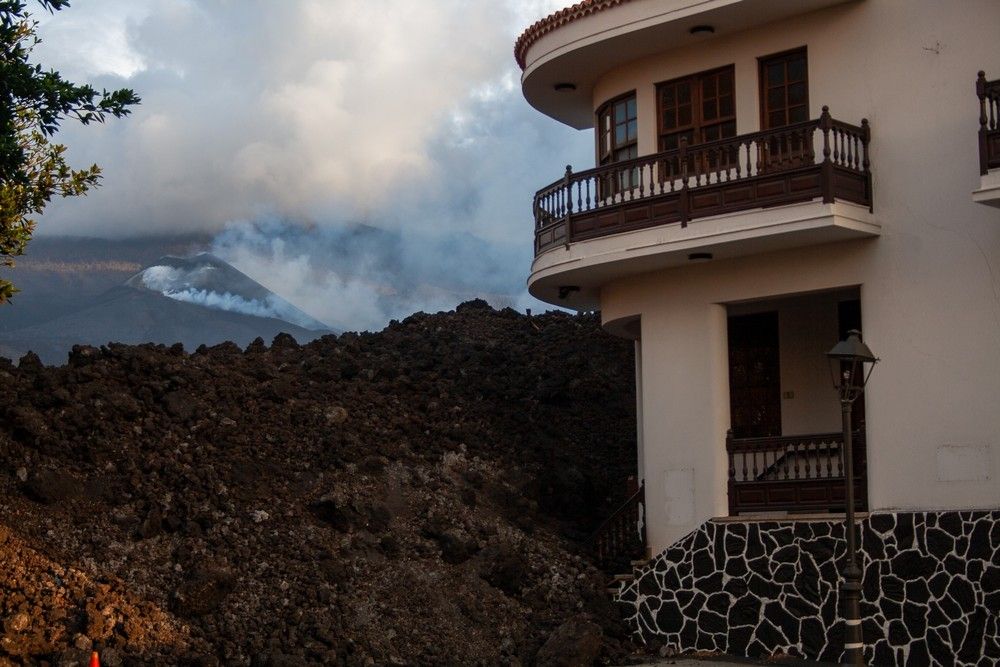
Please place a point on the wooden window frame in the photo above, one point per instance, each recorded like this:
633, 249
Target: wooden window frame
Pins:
762, 87
698, 123
624, 180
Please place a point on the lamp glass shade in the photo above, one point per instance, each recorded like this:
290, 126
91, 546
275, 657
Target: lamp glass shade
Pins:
852, 349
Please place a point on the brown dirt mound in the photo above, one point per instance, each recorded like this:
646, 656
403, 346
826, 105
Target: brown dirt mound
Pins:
414, 496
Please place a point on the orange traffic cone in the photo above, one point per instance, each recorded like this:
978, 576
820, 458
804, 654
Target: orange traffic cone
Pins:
94, 660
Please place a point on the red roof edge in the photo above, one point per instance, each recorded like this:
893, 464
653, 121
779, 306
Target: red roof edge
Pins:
540, 28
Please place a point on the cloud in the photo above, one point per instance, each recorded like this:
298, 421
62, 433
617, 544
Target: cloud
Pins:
313, 110
323, 114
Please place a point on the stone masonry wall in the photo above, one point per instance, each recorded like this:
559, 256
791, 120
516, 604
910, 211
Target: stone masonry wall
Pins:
931, 590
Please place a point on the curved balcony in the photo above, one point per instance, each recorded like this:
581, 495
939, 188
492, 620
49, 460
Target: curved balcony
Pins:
989, 141
822, 159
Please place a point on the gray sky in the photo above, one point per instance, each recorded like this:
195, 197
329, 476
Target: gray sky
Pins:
314, 110
276, 124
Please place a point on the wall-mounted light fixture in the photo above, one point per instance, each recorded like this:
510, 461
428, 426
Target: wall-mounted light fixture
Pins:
566, 290
564, 87
702, 30
700, 256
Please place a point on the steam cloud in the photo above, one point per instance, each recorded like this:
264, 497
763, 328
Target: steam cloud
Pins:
172, 283
328, 116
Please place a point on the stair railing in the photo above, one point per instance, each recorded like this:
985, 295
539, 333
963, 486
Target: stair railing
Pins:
623, 534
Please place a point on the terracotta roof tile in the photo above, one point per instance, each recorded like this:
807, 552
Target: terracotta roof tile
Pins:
557, 19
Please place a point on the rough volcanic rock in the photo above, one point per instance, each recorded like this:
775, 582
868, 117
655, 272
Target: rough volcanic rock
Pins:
420, 495
575, 643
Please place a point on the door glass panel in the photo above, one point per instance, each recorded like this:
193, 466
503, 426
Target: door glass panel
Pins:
797, 93
776, 74
726, 106
684, 116
725, 83
776, 98
669, 118
684, 93
797, 69
709, 110
797, 114
776, 118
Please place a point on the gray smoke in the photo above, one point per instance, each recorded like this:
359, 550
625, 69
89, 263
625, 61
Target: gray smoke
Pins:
286, 127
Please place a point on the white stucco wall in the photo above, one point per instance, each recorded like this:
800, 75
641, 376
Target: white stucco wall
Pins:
930, 284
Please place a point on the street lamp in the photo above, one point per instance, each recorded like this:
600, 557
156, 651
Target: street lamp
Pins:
847, 368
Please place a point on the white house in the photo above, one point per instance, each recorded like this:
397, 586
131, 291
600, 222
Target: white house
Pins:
771, 174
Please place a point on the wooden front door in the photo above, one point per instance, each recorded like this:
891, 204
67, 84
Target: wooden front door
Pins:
784, 101
754, 376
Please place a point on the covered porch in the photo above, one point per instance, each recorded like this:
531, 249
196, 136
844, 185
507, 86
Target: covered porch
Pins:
784, 447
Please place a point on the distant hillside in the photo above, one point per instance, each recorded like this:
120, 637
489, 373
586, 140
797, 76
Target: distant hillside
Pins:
194, 301
60, 275
127, 315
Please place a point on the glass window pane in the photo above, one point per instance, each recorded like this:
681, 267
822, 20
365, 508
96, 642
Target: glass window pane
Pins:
710, 133
726, 106
669, 119
775, 98
619, 135
708, 87
725, 83
797, 93
619, 113
683, 93
668, 142
630, 108
797, 114
632, 130
776, 118
728, 129
668, 96
797, 69
776, 74
709, 110
684, 115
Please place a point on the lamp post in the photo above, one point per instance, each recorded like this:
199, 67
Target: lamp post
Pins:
847, 367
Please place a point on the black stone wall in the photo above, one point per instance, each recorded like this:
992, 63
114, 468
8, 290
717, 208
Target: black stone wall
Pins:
931, 591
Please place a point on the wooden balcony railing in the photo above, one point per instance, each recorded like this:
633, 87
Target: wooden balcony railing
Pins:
622, 536
793, 473
749, 171
989, 123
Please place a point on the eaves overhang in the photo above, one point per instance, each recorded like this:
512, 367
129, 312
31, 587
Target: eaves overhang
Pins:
579, 44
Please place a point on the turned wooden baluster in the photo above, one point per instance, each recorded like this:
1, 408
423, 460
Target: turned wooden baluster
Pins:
683, 200
865, 163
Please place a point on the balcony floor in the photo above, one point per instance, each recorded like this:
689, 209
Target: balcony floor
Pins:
591, 263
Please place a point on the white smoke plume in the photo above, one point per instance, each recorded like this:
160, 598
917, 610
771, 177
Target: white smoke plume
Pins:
402, 116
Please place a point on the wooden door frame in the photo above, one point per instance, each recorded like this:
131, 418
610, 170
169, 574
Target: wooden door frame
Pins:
696, 110
762, 83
